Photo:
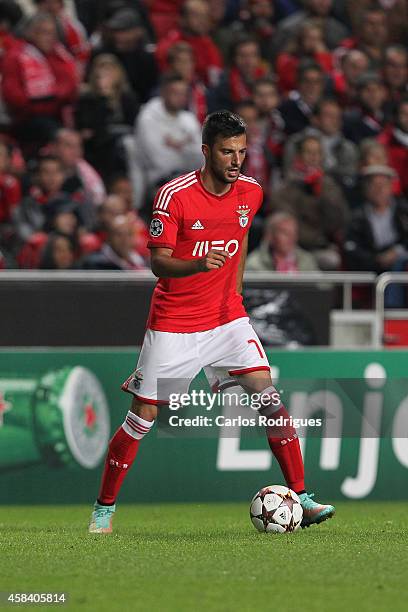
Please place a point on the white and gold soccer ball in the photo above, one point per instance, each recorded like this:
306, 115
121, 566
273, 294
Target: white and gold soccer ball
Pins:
276, 508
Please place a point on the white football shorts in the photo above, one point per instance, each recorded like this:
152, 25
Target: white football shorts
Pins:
169, 361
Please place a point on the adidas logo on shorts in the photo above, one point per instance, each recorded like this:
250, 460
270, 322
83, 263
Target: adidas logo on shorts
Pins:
197, 225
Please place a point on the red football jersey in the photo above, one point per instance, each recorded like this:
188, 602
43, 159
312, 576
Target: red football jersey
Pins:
190, 220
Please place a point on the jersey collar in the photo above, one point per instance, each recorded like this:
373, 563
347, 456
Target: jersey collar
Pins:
213, 195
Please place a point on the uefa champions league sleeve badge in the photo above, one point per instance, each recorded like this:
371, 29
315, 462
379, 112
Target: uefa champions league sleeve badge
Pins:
156, 228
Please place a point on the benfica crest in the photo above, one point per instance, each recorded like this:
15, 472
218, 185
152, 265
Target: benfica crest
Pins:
243, 212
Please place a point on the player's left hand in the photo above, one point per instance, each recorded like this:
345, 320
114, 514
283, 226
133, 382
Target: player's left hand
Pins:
213, 260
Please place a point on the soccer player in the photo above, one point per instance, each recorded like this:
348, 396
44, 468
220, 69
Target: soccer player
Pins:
198, 242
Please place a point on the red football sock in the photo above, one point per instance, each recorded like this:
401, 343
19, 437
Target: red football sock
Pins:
284, 444
121, 454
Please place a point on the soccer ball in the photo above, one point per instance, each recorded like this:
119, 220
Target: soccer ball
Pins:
276, 508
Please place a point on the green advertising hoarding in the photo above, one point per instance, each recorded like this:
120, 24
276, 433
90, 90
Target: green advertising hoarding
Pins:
59, 407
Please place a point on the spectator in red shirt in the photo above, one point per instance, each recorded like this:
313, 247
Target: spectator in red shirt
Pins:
195, 29
39, 81
10, 190
237, 83
308, 44
164, 15
395, 139
72, 32
181, 61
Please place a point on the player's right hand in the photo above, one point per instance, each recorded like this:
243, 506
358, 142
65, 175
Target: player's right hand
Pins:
213, 260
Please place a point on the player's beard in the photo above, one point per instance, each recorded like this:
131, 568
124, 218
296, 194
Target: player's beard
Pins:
221, 175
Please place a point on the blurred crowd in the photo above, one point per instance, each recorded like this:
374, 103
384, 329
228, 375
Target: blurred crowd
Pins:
102, 101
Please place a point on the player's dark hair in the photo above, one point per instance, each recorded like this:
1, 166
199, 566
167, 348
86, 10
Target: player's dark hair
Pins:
222, 124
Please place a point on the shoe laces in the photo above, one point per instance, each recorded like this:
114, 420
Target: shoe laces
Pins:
307, 500
104, 511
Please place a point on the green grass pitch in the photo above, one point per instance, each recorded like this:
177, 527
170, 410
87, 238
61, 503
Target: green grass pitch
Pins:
207, 557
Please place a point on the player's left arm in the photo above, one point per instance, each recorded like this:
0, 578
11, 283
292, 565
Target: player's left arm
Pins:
241, 265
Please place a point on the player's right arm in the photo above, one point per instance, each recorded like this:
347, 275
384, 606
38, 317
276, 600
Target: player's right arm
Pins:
164, 265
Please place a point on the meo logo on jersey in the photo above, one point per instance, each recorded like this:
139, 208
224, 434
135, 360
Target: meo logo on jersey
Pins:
202, 247
156, 228
243, 212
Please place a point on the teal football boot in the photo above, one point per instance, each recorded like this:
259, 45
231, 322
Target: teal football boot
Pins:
314, 513
101, 519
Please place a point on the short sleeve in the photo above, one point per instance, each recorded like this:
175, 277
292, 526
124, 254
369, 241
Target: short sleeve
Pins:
165, 222
260, 197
